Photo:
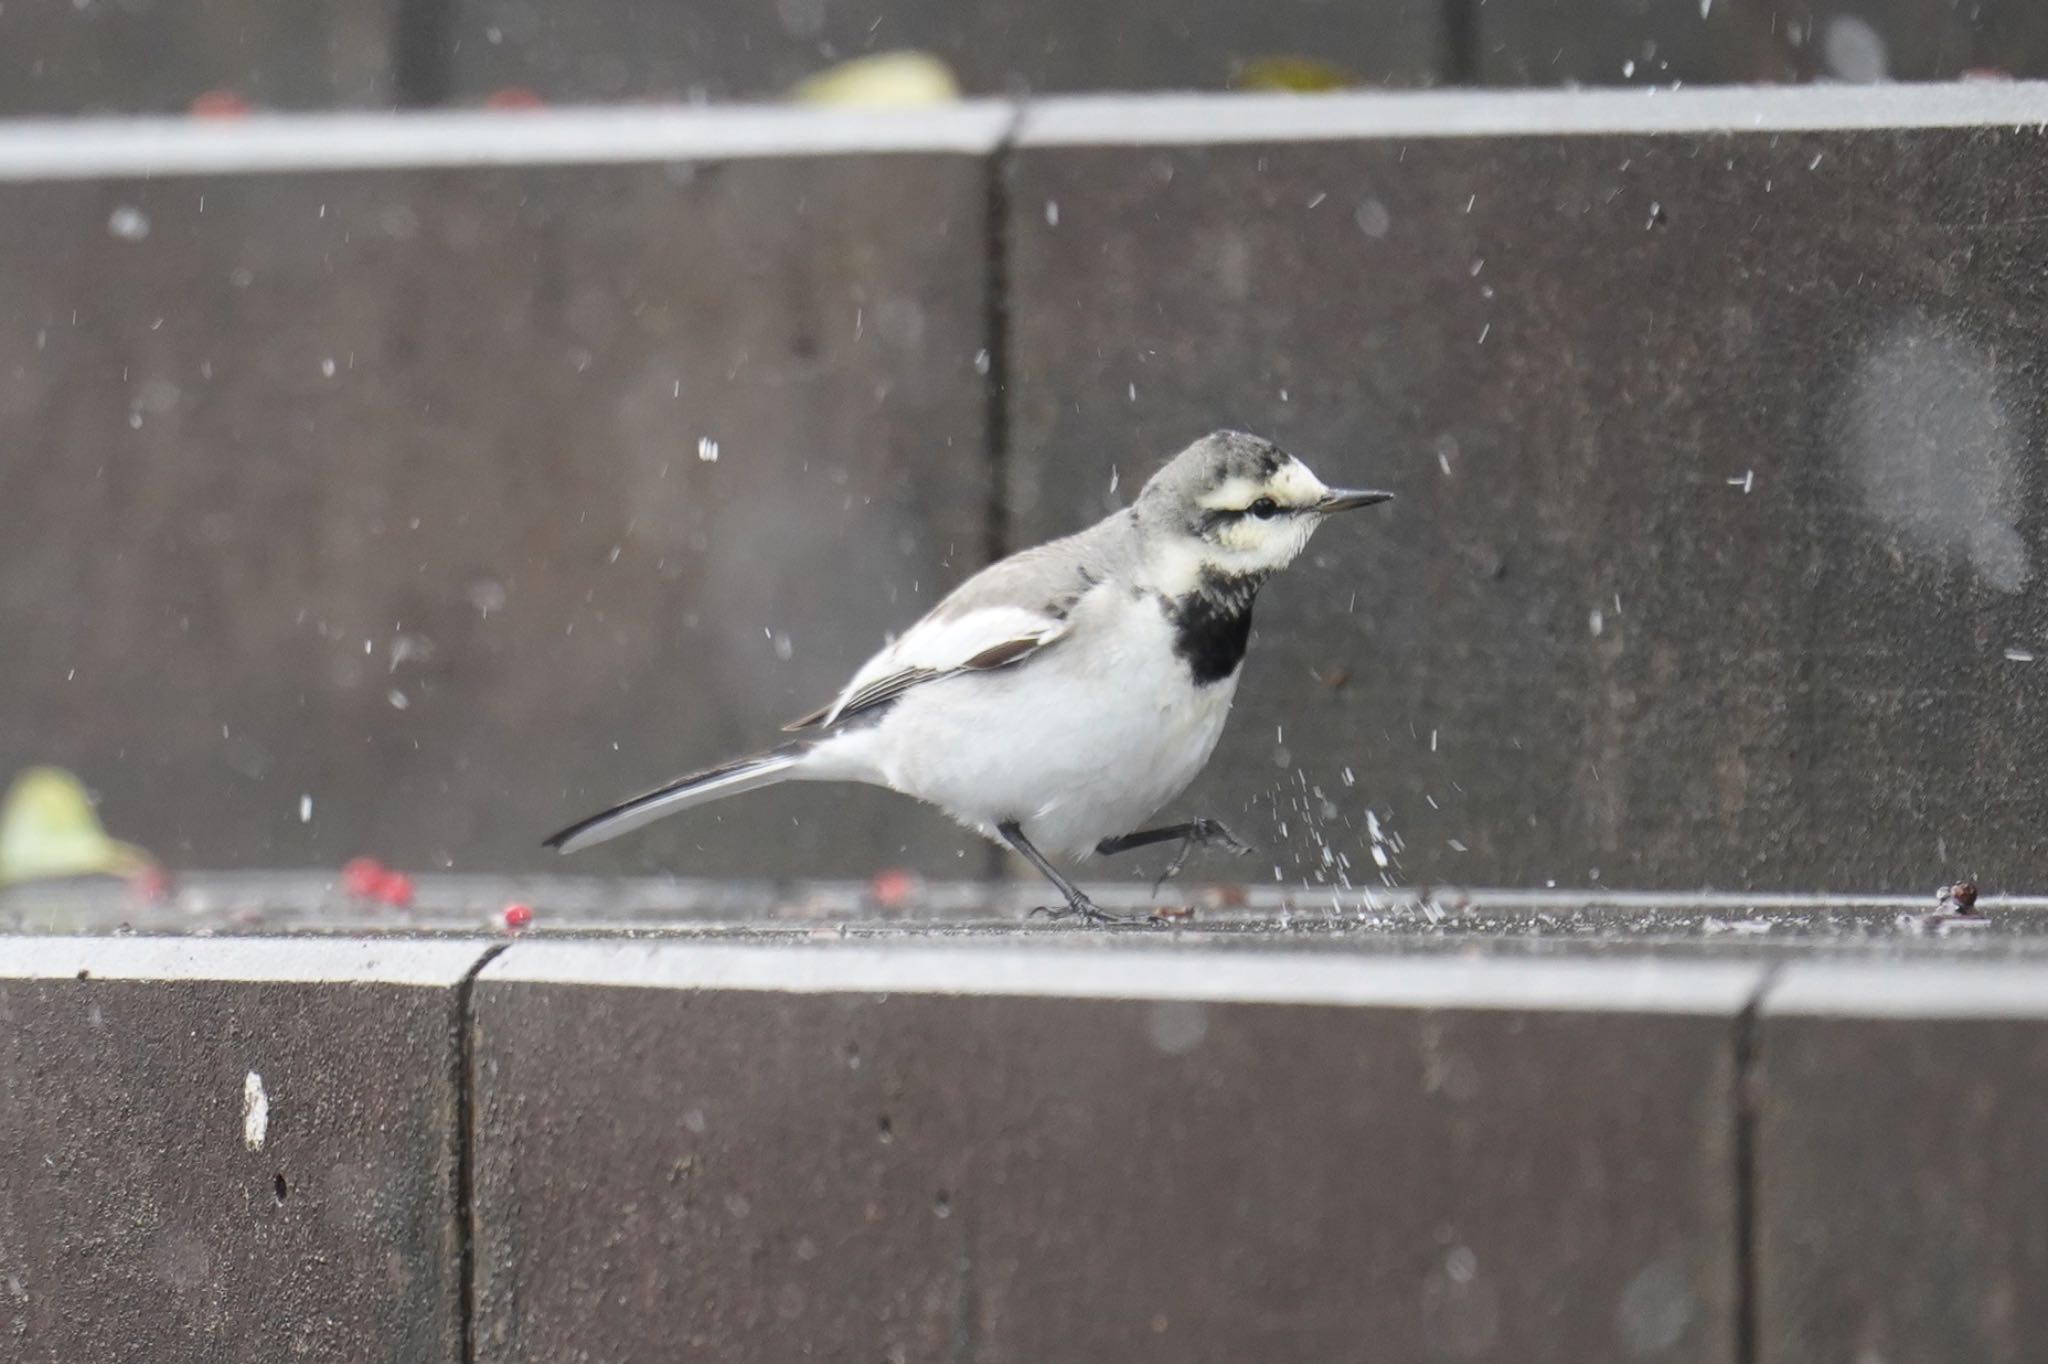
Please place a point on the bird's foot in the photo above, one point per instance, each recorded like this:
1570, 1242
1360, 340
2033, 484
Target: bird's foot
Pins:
1084, 909
1207, 833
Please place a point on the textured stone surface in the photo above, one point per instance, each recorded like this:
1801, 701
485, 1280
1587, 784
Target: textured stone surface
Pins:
1655, 42
1899, 1132
1716, 558
136, 1220
1120, 1155
614, 49
155, 56
463, 503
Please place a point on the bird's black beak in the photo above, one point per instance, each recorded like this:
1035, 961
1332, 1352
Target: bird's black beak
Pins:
1344, 499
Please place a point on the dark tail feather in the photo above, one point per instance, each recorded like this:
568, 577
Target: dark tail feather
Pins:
745, 774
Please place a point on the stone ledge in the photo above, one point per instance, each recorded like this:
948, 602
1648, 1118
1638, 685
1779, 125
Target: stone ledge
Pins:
912, 1151
217, 1149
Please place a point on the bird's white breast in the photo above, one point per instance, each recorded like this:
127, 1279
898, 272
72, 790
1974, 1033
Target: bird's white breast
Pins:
1082, 742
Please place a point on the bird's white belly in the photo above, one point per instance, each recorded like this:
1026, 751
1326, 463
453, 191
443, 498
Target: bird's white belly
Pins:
1076, 745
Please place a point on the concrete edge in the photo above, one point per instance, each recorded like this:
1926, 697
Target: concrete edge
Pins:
1922, 990
102, 148
436, 963
1141, 972
1178, 120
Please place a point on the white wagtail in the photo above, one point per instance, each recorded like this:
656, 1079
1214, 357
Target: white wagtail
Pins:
1057, 699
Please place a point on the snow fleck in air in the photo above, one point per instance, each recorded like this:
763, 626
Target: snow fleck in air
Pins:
1052, 213
255, 1112
398, 699
1133, 390
1746, 482
1706, 8
707, 449
327, 367
128, 223
982, 361
1598, 622
305, 809
1483, 331
1628, 69
2019, 655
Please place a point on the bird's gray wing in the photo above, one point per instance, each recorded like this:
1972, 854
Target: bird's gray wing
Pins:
999, 617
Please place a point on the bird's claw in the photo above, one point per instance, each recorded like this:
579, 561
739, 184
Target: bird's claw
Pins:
1202, 833
1214, 833
1085, 910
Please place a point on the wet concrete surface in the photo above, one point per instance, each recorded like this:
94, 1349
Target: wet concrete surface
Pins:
1419, 919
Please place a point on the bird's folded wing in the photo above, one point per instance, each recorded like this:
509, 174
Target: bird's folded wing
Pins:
945, 642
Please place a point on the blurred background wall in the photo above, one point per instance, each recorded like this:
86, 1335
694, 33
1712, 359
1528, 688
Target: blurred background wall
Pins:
65, 57
416, 511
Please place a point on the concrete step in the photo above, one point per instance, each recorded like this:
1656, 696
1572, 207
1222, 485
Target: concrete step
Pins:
1056, 1144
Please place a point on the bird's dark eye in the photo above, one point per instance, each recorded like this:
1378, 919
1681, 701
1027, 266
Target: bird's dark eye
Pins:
1264, 507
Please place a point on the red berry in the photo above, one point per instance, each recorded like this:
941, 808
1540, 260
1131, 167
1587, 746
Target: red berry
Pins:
514, 97
518, 916
150, 884
218, 104
362, 876
892, 887
394, 888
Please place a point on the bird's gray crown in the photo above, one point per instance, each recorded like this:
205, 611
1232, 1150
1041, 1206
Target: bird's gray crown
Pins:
1172, 496
1212, 461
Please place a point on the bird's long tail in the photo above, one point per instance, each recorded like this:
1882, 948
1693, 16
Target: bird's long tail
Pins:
728, 779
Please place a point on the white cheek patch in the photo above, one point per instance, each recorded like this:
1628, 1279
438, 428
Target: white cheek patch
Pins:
1243, 537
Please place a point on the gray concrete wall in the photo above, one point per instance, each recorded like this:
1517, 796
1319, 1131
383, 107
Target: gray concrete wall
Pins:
1716, 555
1657, 42
641, 49
462, 502
1715, 560
1025, 1154
152, 56
60, 57
231, 1150
1188, 1146
1948, 1068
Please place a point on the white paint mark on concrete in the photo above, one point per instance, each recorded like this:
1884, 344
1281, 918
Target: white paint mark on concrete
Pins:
255, 1112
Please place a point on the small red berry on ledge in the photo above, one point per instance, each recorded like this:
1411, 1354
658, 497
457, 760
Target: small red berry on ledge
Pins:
394, 888
361, 876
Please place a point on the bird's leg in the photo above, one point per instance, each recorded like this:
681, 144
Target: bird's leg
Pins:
1195, 832
1077, 903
